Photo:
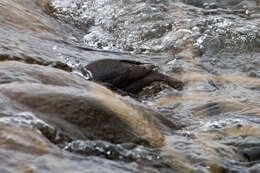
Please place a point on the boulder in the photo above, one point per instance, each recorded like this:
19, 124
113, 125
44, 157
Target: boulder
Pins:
78, 108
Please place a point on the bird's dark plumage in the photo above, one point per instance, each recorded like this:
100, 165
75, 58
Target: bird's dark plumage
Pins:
127, 75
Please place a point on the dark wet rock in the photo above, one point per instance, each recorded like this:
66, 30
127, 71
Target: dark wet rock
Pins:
252, 153
127, 75
60, 65
247, 146
250, 148
122, 152
13, 71
78, 108
31, 60
111, 151
26, 150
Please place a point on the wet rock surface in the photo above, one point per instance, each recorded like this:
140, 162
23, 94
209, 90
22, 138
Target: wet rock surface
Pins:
26, 150
82, 105
127, 151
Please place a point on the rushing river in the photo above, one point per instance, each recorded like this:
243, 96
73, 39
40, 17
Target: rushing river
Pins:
211, 126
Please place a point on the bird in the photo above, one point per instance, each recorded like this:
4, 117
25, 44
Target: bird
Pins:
127, 75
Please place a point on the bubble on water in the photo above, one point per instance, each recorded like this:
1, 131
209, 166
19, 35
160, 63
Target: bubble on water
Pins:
54, 47
172, 62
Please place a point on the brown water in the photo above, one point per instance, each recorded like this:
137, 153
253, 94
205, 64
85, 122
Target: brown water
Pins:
214, 49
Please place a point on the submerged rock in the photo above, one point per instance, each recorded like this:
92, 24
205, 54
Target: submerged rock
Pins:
26, 150
125, 152
78, 108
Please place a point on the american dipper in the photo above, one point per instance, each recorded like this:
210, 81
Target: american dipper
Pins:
127, 75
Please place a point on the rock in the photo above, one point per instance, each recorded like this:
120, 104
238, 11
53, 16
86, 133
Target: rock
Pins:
13, 71
124, 152
249, 148
26, 150
78, 108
